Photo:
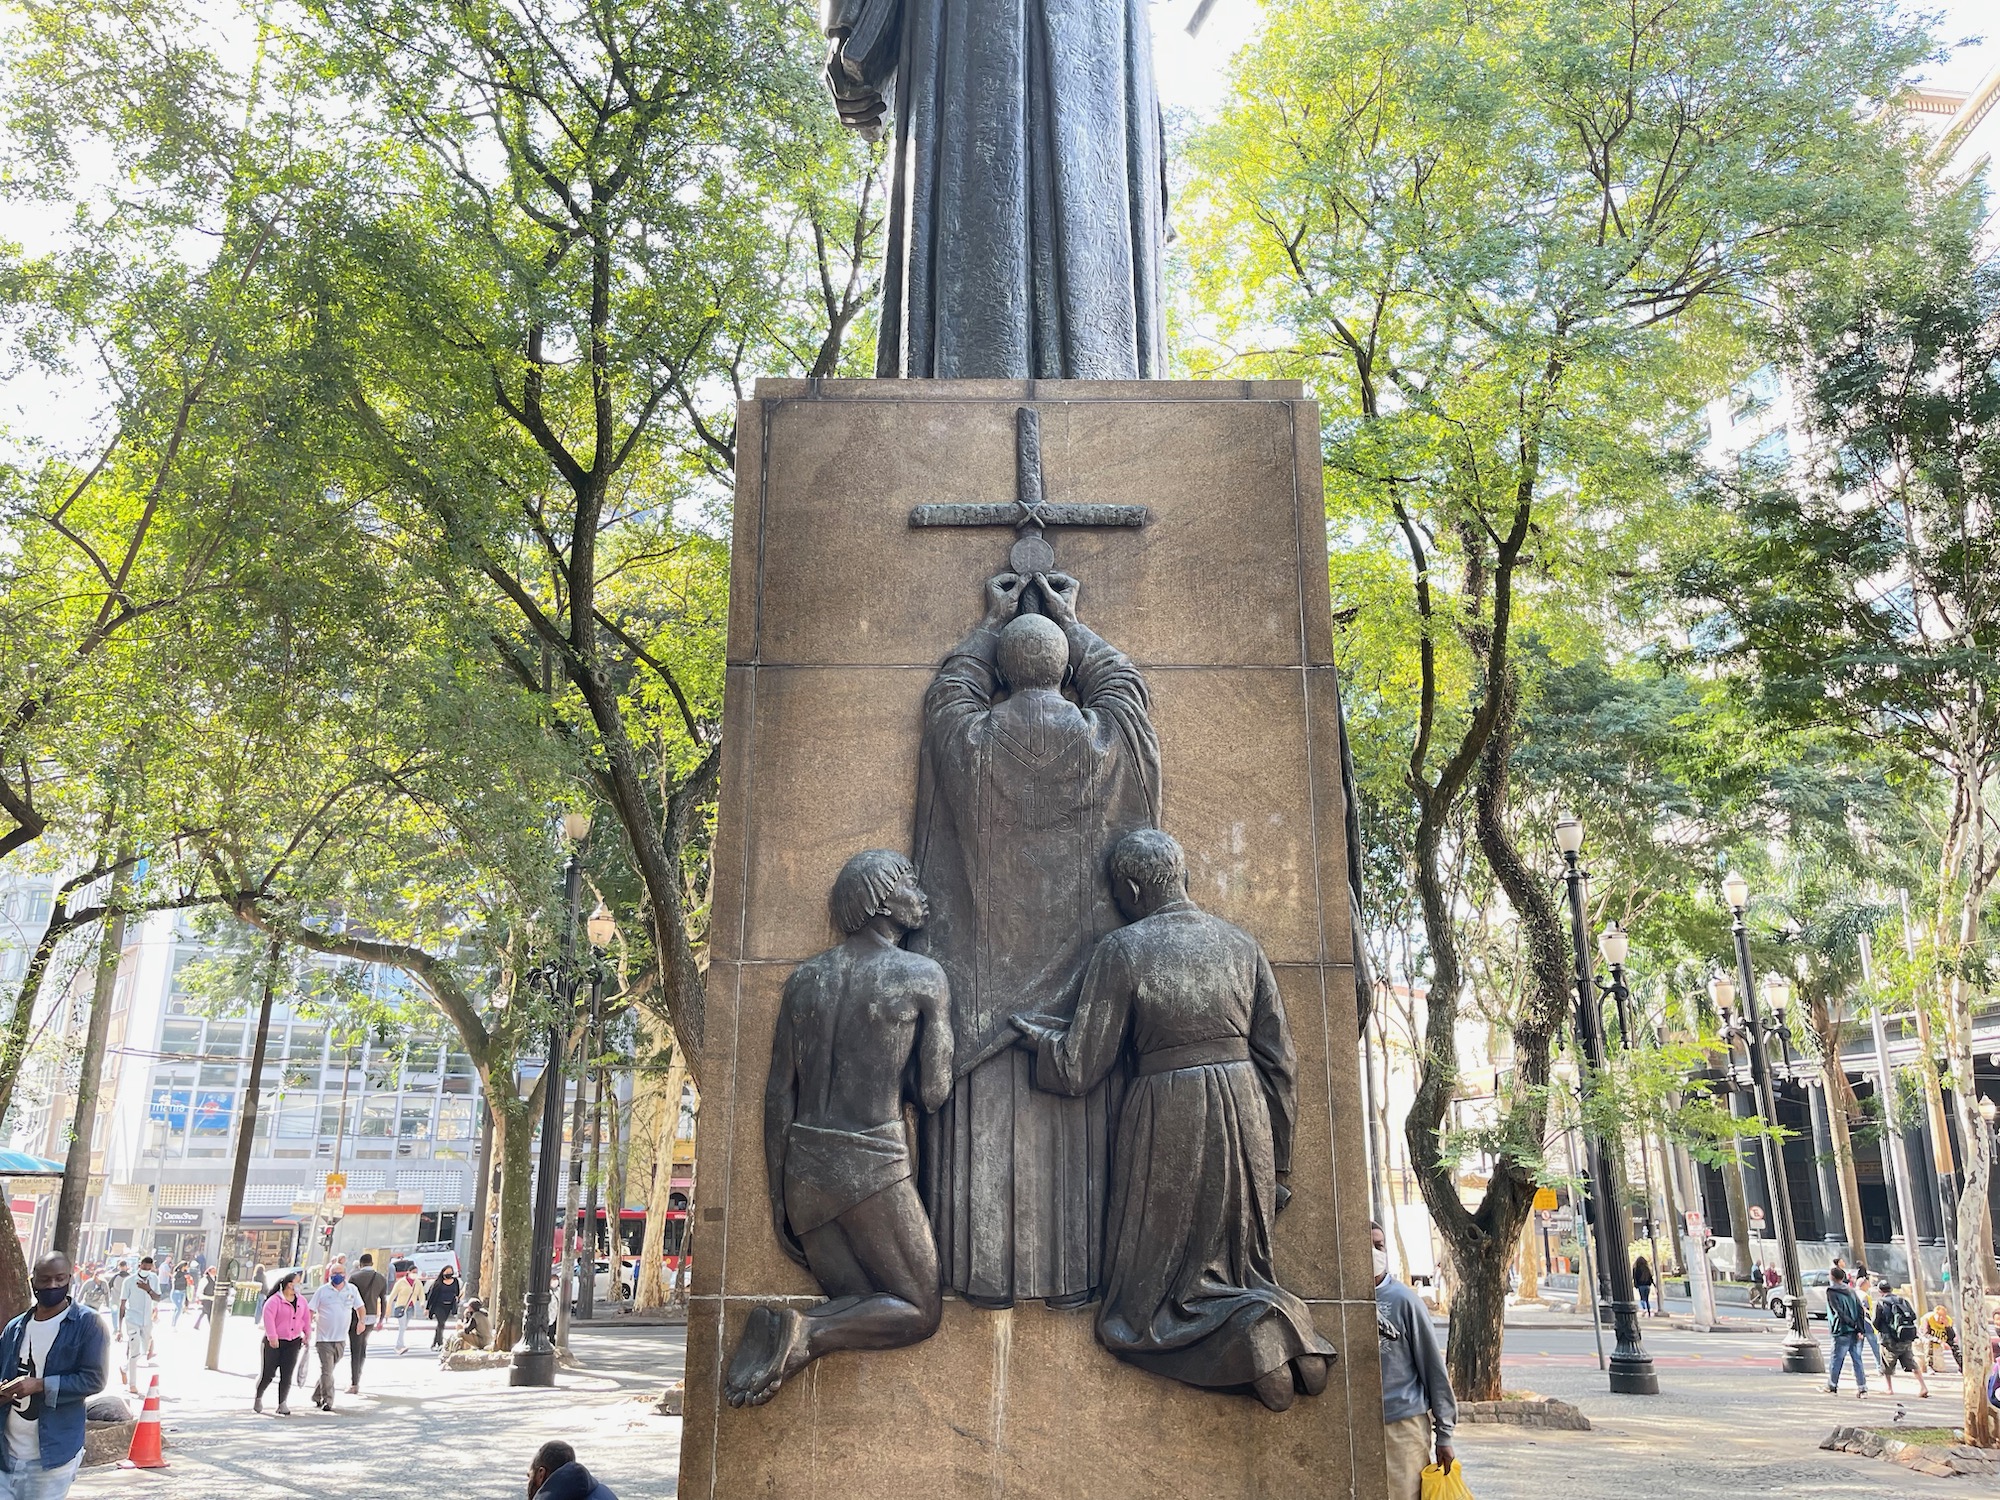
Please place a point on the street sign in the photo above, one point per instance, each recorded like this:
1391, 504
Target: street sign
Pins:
1756, 1214
1545, 1199
178, 1218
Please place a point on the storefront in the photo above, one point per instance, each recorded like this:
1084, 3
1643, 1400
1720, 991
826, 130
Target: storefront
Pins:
179, 1234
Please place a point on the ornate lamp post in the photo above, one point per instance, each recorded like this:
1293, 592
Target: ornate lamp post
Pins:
535, 1356
601, 929
1631, 1367
1802, 1352
1616, 947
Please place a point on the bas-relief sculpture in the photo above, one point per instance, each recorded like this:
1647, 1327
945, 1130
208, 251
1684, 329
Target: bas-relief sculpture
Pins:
1027, 1024
1021, 795
854, 1024
1189, 1003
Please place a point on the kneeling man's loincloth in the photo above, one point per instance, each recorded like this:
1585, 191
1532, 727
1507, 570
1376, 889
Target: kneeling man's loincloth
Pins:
827, 1172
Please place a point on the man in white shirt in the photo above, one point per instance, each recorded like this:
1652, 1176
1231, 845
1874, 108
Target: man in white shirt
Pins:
334, 1307
143, 1293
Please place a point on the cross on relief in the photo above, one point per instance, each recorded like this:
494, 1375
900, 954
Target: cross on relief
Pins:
1030, 512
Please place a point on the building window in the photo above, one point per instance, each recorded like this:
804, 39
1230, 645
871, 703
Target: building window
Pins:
454, 1120
415, 1124
180, 1038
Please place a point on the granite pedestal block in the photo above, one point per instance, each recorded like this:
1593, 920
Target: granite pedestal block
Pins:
840, 612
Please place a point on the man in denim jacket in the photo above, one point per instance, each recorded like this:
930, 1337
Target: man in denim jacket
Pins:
52, 1360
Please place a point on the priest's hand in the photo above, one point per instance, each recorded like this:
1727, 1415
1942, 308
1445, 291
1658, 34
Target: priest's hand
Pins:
859, 106
1060, 591
1003, 597
1036, 1029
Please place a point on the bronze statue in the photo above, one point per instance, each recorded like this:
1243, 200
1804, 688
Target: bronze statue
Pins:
852, 1021
1028, 217
1203, 1140
1020, 796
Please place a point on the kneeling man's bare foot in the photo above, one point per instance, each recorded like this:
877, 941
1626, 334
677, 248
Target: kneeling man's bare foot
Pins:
1309, 1373
773, 1348
1275, 1389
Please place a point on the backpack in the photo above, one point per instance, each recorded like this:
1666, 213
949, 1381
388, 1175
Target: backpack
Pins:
1902, 1320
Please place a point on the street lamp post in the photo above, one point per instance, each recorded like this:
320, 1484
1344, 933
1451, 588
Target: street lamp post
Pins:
1802, 1352
600, 928
535, 1356
1631, 1367
1616, 947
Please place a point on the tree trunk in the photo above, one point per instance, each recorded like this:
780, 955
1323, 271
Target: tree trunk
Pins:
16, 1284
83, 1127
614, 1190
482, 1205
239, 1177
1530, 1262
513, 1131
1739, 1207
1843, 1162
1675, 1222
666, 1117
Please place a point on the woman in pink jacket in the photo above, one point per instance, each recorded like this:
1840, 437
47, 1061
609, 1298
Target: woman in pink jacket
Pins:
286, 1319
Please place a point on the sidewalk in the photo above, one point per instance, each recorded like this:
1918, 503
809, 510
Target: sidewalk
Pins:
415, 1430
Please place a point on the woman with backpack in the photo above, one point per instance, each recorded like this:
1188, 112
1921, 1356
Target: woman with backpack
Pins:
1896, 1321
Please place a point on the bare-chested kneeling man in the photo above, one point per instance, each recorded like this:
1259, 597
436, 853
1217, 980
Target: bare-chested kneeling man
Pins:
842, 1200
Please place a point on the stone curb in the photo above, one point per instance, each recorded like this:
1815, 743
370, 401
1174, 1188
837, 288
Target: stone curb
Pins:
1530, 1411
1960, 1459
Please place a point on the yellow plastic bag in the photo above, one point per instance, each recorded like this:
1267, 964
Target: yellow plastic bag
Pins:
1444, 1484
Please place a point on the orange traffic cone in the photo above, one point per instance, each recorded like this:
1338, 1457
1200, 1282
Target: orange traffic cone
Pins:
145, 1452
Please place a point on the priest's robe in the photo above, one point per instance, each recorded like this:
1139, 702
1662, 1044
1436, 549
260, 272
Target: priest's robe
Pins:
1028, 207
1019, 804
1204, 1131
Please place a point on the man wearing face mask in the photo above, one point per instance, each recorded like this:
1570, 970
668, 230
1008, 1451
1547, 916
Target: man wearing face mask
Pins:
1418, 1408
52, 1360
333, 1308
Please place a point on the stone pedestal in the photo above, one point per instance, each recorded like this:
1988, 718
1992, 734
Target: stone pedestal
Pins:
839, 614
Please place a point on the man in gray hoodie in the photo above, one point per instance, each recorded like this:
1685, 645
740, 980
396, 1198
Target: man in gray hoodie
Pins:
1418, 1408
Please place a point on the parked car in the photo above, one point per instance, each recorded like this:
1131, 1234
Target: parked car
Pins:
1780, 1300
431, 1258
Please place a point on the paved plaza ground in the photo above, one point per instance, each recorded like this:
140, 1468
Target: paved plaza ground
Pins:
416, 1431
1727, 1423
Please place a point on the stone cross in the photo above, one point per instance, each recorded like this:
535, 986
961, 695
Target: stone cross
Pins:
1030, 512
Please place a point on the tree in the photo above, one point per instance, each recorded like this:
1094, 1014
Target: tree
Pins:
576, 243
1862, 591
1491, 241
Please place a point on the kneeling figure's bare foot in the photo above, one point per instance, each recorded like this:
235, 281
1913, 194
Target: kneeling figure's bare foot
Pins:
773, 1348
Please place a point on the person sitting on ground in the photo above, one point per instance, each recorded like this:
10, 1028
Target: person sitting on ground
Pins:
475, 1329
556, 1475
1896, 1321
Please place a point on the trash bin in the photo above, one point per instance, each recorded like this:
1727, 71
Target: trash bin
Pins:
243, 1303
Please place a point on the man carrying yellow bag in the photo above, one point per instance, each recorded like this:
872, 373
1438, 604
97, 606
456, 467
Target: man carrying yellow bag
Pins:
1418, 1408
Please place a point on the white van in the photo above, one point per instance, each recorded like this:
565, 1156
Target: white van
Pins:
429, 1259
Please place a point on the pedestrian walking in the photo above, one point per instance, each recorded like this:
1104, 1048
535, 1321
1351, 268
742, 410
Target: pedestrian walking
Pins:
1866, 1292
95, 1293
1418, 1408
181, 1284
404, 1300
334, 1307
1642, 1280
441, 1302
286, 1319
1845, 1319
52, 1361
373, 1289
118, 1279
555, 1474
1896, 1322
143, 1293
207, 1296
259, 1275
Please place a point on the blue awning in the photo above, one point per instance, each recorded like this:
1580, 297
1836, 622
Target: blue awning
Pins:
21, 1164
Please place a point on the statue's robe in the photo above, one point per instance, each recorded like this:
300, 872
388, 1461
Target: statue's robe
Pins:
1205, 1128
1028, 206
1019, 803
